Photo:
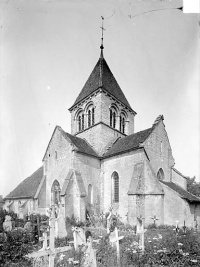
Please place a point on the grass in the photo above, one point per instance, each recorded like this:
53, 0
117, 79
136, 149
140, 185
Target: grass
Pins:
162, 248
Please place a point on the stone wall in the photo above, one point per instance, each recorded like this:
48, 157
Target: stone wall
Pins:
100, 137
177, 209
42, 196
159, 150
154, 206
102, 103
106, 103
27, 208
124, 166
57, 162
179, 179
89, 167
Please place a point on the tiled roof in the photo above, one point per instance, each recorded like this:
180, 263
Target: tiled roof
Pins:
129, 142
28, 187
102, 76
183, 193
80, 144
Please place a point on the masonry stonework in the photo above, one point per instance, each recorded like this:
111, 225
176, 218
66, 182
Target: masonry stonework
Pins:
103, 158
159, 151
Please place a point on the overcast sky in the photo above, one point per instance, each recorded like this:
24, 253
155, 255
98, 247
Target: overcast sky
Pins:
49, 48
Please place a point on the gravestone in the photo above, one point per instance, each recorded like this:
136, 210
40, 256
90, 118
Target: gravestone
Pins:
21, 215
140, 232
154, 220
184, 228
79, 236
89, 259
61, 226
28, 226
177, 228
7, 225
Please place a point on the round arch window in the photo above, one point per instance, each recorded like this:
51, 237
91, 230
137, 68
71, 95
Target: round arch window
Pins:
160, 174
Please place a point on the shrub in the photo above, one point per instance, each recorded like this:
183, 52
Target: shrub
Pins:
14, 245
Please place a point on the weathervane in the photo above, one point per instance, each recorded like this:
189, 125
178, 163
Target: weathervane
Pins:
102, 29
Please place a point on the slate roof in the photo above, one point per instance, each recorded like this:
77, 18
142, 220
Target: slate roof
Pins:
28, 187
81, 144
129, 142
102, 76
183, 193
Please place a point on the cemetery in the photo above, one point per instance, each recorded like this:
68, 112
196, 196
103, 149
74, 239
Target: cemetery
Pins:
100, 241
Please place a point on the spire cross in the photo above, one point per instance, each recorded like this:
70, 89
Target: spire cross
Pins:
102, 29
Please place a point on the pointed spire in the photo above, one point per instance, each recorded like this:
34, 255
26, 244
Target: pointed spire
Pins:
102, 29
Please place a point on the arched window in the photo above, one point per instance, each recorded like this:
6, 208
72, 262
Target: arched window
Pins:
89, 118
160, 174
92, 116
80, 119
115, 187
122, 122
90, 113
113, 115
55, 193
90, 194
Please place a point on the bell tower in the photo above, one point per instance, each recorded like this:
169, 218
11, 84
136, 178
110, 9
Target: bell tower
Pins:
101, 113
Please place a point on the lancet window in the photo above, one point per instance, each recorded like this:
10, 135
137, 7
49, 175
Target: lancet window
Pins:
122, 122
160, 174
115, 187
90, 113
80, 121
55, 193
113, 116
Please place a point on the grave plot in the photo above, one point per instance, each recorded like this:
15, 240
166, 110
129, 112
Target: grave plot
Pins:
48, 253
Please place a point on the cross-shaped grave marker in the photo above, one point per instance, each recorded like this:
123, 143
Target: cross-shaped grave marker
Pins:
154, 220
50, 251
44, 239
114, 240
196, 225
184, 228
177, 228
113, 232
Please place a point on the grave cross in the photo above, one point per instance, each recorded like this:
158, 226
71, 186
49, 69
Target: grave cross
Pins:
196, 225
177, 228
184, 228
44, 240
154, 220
50, 251
114, 239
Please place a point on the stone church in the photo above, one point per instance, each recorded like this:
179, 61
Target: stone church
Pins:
103, 162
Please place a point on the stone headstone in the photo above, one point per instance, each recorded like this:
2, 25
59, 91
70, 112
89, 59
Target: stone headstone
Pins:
28, 226
61, 231
140, 231
89, 259
79, 236
7, 225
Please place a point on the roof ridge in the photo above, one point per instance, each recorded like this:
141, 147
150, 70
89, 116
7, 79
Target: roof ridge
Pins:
102, 76
182, 189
